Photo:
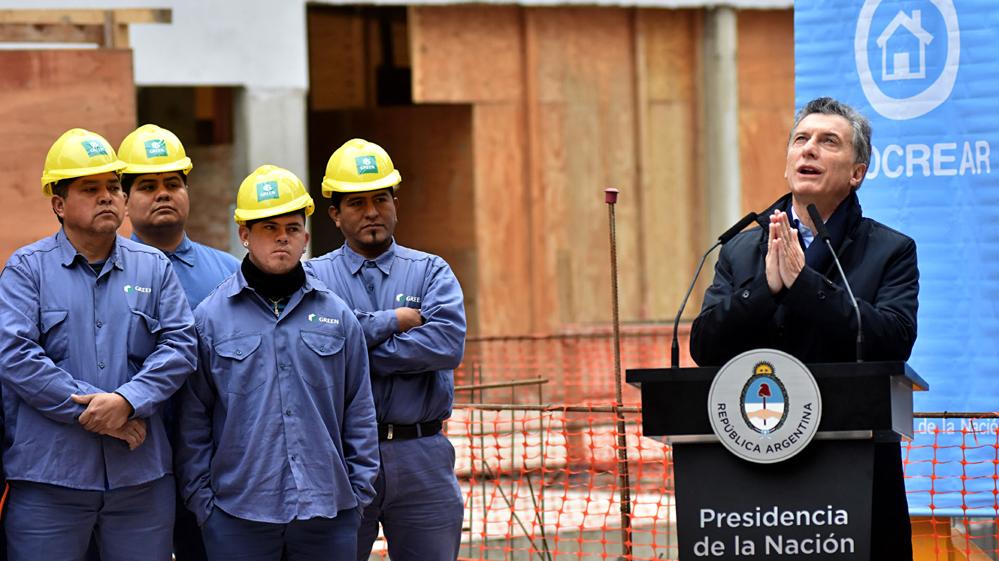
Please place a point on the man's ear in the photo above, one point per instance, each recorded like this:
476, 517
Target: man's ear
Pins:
859, 171
58, 206
334, 213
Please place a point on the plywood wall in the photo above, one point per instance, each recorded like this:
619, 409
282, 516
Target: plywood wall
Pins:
566, 102
673, 211
766, 103
43, 93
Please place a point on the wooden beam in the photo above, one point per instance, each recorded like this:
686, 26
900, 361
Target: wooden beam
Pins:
49, 33
86, 17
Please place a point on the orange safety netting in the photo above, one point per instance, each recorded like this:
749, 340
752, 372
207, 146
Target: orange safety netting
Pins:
538, 459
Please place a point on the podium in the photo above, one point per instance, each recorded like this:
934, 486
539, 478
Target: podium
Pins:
826, 502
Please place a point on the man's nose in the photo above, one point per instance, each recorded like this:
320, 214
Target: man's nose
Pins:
810, 147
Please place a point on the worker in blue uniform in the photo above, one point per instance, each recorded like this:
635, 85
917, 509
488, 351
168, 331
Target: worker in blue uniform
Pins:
156, 182
411, 308
277, 447
95, 335
158, 204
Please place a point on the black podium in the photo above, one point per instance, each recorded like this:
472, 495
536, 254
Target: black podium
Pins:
824, 503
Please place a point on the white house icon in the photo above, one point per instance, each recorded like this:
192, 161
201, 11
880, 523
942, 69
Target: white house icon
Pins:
900, 68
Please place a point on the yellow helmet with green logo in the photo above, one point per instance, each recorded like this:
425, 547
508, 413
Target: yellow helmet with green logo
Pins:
152, 149
359, 166
271, 191
78, 153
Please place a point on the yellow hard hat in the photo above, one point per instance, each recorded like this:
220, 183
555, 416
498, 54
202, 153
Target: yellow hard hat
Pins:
359, 166
271, 191
152, 149
78, 153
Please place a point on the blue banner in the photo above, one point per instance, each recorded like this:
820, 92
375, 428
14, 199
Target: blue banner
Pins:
926, 74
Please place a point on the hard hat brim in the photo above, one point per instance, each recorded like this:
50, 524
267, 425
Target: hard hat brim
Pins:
303, 202
331, 186
183, 165
50, 178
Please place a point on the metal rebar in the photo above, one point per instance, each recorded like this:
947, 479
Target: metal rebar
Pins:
501, 384
624, 478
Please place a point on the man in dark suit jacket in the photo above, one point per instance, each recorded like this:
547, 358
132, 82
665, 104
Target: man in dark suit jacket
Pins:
777, 286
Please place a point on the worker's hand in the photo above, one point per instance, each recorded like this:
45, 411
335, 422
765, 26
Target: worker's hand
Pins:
408, 318
105, 411
132, 432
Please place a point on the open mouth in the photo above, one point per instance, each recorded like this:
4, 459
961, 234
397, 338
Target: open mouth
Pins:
809, 170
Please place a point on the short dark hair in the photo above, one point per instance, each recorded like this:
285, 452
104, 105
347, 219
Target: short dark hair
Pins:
61, 188
301, 212
337, 197
860, 125
128, 179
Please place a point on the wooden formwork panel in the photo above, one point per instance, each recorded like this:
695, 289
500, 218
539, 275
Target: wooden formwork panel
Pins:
566, 102
466, 54
583, 68
672, 191
337, 63
501, 206
766, 102
43, 94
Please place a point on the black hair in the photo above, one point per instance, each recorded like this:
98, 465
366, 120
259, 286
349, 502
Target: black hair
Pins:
128, 179
337, 197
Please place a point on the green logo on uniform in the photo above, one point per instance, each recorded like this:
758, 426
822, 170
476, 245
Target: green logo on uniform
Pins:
155, 148
267, 190
94, 148
366, 164
314, 318
405, 299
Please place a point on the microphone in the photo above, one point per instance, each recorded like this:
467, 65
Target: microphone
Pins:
824, 234
722, 239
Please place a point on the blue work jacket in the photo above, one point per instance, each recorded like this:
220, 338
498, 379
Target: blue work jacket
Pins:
412, 373
199, 268
64, 330
277, 424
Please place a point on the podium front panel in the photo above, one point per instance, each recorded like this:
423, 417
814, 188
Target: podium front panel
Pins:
816, 505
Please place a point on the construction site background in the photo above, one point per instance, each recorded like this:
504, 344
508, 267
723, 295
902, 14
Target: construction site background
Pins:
507, 122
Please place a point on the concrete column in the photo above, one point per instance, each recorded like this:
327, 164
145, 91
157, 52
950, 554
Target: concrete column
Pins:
270, 128
723, 203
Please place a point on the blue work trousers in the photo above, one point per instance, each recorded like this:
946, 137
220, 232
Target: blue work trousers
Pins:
418, 502
228, 538
52, 522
